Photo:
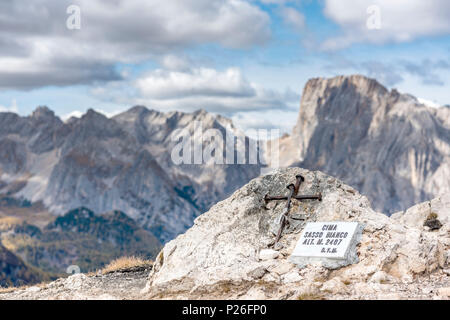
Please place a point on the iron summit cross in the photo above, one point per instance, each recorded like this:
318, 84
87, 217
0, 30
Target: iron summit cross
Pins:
293, 190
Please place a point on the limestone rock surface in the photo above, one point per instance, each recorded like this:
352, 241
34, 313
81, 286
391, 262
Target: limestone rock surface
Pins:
221, 254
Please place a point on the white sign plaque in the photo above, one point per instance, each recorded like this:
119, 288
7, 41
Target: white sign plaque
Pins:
332, 244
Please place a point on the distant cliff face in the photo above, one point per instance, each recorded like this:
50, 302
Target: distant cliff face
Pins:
385, 144
122, 163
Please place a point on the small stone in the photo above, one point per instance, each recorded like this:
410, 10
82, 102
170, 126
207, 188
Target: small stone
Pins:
379, 277
432, 222
258, 273
267, 254
282, 268
33, 289
299, 216
271, 277
426, 290
269, 242
291, 277
407, 279
278, 246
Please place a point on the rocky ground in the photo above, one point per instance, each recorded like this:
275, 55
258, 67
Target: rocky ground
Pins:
128, 285
229, 252
125, 284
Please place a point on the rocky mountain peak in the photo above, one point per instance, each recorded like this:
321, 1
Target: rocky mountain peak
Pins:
93, 115
200, 112
344, 83
383, 143
119, 163
208, 119
42, 120
94, 125
140, 110
42, 112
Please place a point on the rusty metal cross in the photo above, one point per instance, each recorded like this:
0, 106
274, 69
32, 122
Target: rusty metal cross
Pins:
293, 190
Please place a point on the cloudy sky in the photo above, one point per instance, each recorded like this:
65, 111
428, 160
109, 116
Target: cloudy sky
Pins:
245, 59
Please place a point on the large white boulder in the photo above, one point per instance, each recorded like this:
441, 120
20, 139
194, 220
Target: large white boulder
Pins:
221, 254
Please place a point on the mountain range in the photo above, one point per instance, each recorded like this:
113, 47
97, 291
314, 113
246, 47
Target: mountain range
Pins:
58, 176
121, 163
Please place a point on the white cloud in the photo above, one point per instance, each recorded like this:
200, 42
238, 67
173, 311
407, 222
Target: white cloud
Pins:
75, 114
174, 62
163, 84
432, 104
12, 108
79, 114
277, 2
226, 91
401, 21
42, 51
108, 114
